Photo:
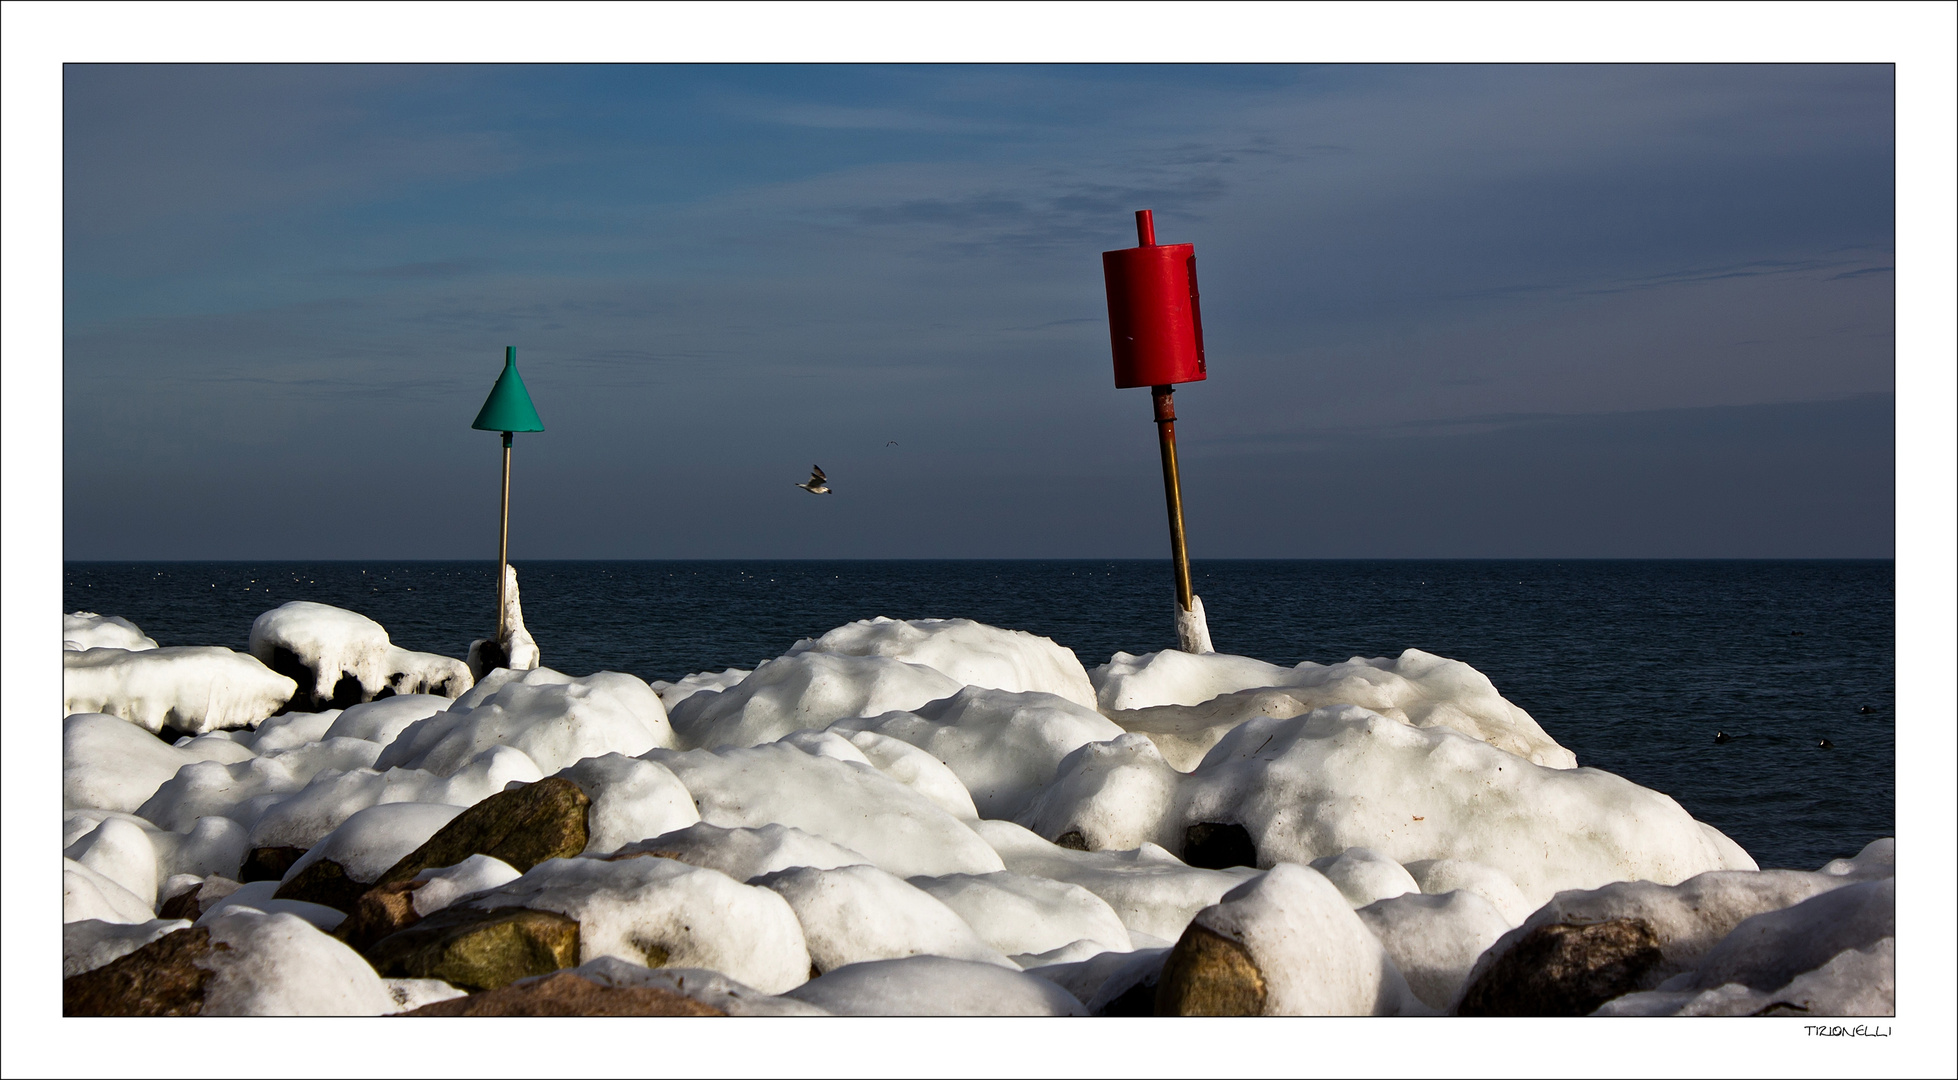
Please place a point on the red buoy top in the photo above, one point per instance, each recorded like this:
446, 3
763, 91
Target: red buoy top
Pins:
1153, 322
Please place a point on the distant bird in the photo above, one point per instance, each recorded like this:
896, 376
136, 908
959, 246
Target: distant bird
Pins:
818, 483
1722, 737
1826, 745
1866, 709
1797, 633
893, 442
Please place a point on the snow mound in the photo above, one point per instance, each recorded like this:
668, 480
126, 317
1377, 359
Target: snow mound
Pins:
193, 688
370, 842
914, 768
245, 789
673, 693
656, 912
120, 850
1003, 746
631, 799
444, 885
971, 653
1363, 876
707, 987
91, 943
1174, 677
1114, 795
344, 657
1434, 940
1151, 891
210, 845
258, 896
85, 630
745, 854
110, 763
935, 986
1021, 915
854, 914
556, 724
384, 720
86, 894
302, 818
810, 690
280, 965
845, 802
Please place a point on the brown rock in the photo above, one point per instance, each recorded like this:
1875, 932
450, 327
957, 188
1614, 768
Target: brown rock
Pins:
269, 863
379, 912
565, 994
323, 882
523, 827
159, 979
195, 901
1561, 969
477, 949
1208, 974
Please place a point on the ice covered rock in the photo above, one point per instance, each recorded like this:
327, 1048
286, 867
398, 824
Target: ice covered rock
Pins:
808, 690
246, 963
845, 802
1434, 940
90, 943
194, 688
854, 914
1151, 891
971, 653
1584, 948
658, 912
556, 724
1115, 795
85, 630
1003, 746
244, 789
339, 658
673, 693
86, 894
260, 897
631, 799
1342, 777
710, 988
383, 720
517, 651
1175, 677
1020, 915
523, 826
745, 854
1284, 944
915, 769
935, 986
302, 818
1363, 875
352, 857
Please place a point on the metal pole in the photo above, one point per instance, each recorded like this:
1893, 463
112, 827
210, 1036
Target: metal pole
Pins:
503, 548
1173, 491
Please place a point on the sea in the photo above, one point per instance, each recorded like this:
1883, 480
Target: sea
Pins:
1635, 666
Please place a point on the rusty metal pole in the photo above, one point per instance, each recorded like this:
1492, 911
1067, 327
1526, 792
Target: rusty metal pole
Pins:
1173, 491
503, 546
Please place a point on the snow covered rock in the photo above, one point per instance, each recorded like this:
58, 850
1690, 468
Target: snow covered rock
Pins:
86, 894
109, 763
710, 988
564, 993
412, 994
1151, 891
523, 826
244, 789
1016, 914
1284, 944
935, 986
631, 799
1174, 677
810, 690
1363, 875
260, 897
845, 802
246, 963
914, 768
383, 720
656, 912
518, 650
302, 818
854, 914
121, 851
438, 887
1438, 876
1115, 795
746, 854
556, 724
1434, 940
1003, 746
1342, 777
90, 943
195, 688
339, 658
673, 693
85, 630
971, 653
1185, 733
351, 858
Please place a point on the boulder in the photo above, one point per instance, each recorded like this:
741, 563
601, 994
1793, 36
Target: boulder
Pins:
522, 827
243, 963
192, 689
352, 858
555, 720
566, 994
478, 949
338, 658
1563, 969
91, 943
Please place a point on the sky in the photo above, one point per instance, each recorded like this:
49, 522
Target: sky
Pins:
1586, 311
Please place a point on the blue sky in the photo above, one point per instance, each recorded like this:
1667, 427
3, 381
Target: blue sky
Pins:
1557, 311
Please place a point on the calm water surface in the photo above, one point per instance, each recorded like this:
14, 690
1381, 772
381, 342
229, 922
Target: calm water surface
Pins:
1633, 665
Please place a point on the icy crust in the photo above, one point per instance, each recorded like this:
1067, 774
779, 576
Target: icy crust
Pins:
1003, 746
556, 724
970, 653
193, 688
332, 643
1416, 688
809, 690
656, 912
848, 803
84, 630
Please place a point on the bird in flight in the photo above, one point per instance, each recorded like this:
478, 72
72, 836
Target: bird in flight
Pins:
818, 483
893, 442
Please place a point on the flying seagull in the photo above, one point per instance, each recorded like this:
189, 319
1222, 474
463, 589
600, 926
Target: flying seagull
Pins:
893, 442
818, 483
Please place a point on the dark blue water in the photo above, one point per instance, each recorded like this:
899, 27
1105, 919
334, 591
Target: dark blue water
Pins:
1633, 665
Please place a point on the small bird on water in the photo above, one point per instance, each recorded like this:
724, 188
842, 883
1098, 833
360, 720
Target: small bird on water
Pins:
818, 483
1722, 737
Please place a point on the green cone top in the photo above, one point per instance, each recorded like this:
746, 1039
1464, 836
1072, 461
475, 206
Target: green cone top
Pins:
508, 407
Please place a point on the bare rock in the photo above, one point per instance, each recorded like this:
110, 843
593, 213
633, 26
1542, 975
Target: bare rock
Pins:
379, 912
566, 994
1208, 974
162, 978
1564, 969
269, 863
522, 827
193, 903
479, 950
